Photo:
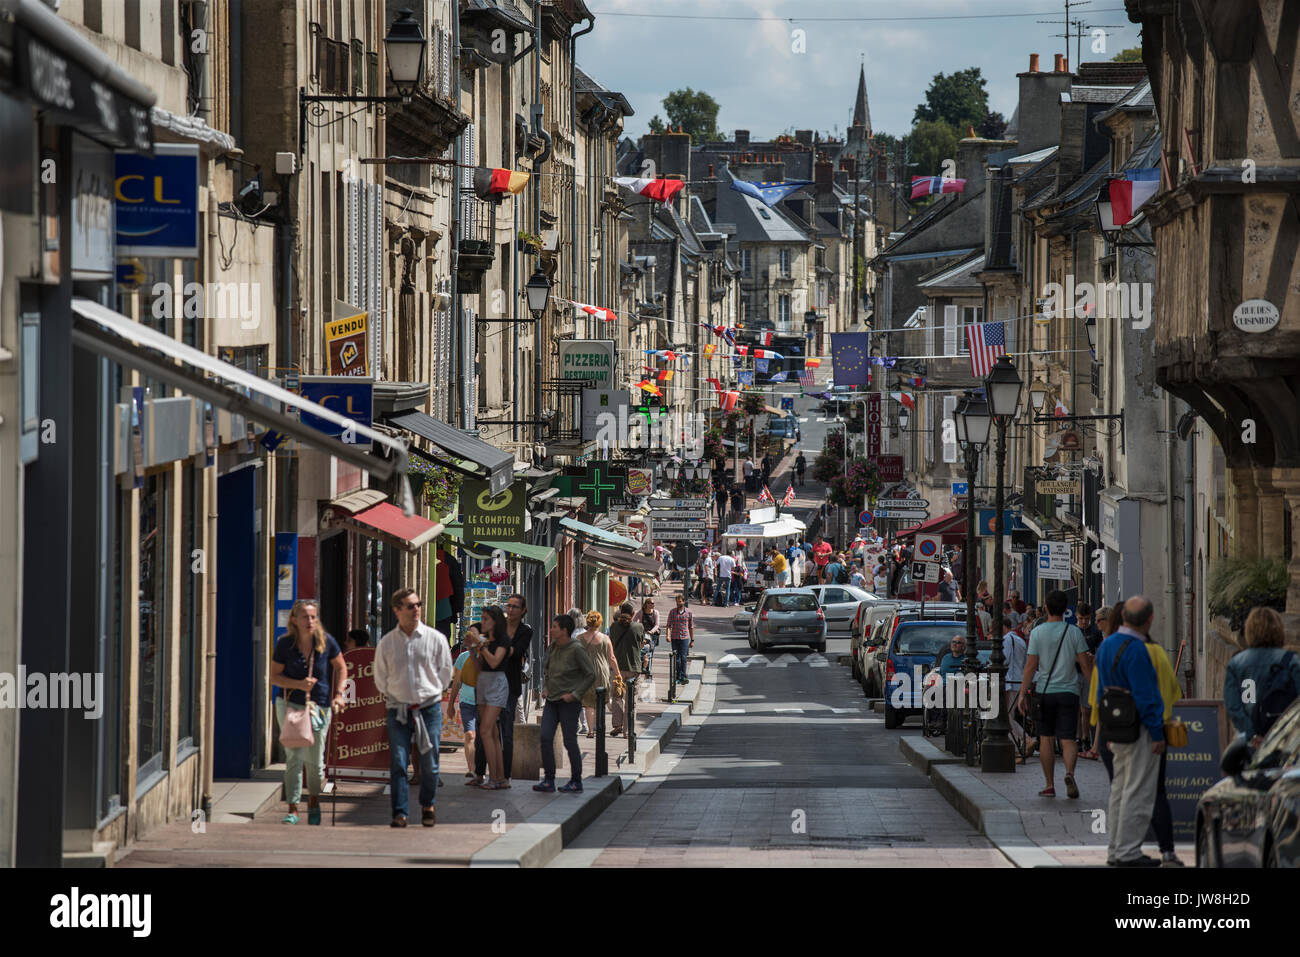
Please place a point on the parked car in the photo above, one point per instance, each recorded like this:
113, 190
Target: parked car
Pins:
872, 666
1251, 818
863, 643
743, 618
916, 643
841, 604
788, 616
838, 403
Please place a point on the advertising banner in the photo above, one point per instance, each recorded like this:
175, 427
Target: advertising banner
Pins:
346, 342
359, 745
493, 519
156, 203
1191, 770
345, 395
591, 359
873, 430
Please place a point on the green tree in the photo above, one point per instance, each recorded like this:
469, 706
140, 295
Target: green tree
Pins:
656, 124
694, 112
993, 127
1131, 55
931, 142
959, 99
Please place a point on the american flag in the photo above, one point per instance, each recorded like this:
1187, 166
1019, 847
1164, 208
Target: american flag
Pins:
806, 378
987, 341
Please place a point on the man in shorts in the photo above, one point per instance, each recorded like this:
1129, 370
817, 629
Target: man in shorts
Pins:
1054, 648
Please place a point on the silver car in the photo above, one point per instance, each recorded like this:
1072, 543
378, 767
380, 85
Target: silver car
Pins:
841, 605
788, 616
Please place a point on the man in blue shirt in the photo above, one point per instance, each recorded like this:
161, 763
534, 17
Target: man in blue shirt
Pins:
1123, 662
951, 663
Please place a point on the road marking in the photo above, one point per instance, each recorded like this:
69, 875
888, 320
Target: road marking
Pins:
785, 660
846, 710
788, 710
731, 661
816, 660
730, 711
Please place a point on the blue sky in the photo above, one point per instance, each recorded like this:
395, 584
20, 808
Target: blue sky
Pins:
750, 66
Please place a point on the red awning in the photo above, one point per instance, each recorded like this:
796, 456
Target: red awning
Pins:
387, 523
954, 523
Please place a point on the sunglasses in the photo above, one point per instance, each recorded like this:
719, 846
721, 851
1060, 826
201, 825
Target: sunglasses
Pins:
414, 604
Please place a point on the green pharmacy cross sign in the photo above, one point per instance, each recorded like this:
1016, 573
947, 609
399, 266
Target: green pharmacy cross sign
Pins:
600, 483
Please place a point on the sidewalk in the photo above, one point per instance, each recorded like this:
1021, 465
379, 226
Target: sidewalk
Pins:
1031, 831
514, 827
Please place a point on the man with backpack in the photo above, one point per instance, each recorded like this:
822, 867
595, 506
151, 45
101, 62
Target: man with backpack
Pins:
1131, 714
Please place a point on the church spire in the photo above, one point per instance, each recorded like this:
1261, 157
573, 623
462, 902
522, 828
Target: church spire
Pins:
862, 112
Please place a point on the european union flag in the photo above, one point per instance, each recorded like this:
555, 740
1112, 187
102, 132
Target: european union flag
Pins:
769, 194
851, 353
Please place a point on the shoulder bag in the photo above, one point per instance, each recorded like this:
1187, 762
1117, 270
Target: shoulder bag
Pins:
1118, 718
296, 732
1036, 698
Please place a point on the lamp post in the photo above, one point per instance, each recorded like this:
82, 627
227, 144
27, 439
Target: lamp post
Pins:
1002, 386
405, 47
972, 421
538, 291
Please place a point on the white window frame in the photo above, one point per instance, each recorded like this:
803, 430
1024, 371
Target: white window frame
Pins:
950, 331
949, 448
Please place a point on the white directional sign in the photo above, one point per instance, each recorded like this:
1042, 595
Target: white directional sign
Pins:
902, 503
925, 571
917, 513
1054, 560
669, 514
680, 534
659, 503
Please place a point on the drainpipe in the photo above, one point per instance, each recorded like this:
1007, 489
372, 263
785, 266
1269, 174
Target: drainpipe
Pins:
1189, 578
1172, 610
573, 128
455, 407
210, 542
538, 161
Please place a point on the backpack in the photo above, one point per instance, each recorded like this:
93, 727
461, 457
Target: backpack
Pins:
842, 576
1275, 694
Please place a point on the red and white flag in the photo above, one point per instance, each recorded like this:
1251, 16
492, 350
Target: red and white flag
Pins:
767, 338
789, 495
661, 190
600, 313
766, 354
905, 398
728, 400
743, 350
765, 495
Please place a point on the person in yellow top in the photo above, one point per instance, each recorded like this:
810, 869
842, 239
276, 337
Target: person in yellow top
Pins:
781, 567
1162, 820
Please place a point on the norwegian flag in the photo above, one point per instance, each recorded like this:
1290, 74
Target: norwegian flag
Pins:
789, 495
987, 341
765, 495
806, 378
600, 313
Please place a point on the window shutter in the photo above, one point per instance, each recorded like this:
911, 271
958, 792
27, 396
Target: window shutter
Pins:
949, 331
929, 330
949, 408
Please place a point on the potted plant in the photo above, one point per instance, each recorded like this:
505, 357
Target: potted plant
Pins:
528, 242
1236, 585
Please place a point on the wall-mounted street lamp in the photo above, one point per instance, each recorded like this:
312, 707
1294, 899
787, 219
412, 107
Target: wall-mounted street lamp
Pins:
538, 291
1037, 395
405, 47
1106, 219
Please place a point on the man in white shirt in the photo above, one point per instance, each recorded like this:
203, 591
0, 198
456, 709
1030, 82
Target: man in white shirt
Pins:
748, 468
412, 669
722, 591
1014, 650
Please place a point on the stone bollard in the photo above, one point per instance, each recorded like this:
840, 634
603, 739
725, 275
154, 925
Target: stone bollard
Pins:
527, 759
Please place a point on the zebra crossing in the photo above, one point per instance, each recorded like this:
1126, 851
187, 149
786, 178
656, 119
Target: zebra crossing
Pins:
813, 660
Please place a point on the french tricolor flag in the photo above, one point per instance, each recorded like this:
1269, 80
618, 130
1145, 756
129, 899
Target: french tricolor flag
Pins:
1128, 194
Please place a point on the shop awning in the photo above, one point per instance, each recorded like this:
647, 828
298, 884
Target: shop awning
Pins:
366, 511
535, 554
500, 465
954, 523
129, 343
576, 528
627, 563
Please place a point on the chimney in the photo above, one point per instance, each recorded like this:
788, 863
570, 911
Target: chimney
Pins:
823, 176
1065, 64
804, 136
742, 137
1039, 108
1033, 63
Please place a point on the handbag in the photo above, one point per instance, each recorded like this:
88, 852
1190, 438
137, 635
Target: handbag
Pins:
469, 672
619, 685
1118, 717
1176, 733
299, 728
1036, 698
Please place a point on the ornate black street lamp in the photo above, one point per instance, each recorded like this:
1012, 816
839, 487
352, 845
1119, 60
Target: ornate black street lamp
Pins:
972, 421
1002, 386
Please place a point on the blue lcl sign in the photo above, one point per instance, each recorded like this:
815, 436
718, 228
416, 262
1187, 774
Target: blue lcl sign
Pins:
346, 395
156, 202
